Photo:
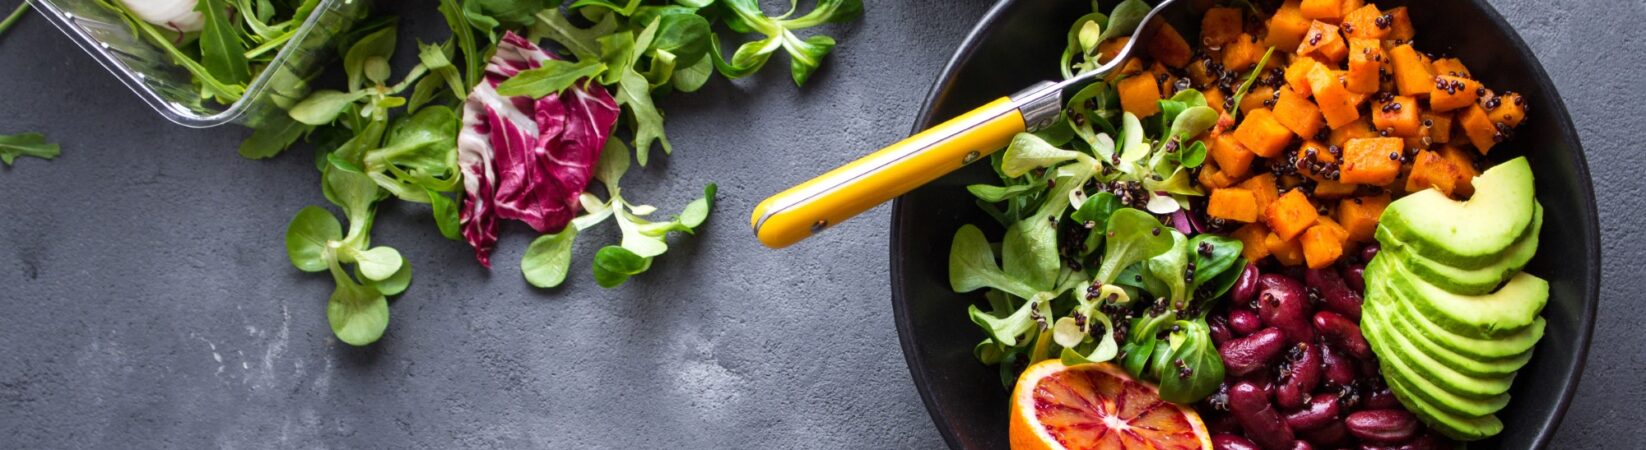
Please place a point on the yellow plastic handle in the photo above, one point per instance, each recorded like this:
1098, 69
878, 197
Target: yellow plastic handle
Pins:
844, 192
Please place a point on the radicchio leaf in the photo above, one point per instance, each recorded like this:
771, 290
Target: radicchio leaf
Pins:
527, 159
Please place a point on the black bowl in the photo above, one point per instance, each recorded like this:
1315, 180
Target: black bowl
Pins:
1017, 43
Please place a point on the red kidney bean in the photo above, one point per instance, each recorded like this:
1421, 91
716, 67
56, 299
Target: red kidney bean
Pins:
1333, 435
1355, 276
1232, 442
1302, 445
1369, 251
1219, 329
1283, 303
1262, 422
1245, 287
1299, 377
1343, 334
1381, 426
1428, 441
1338, 369
1219, 422
1244, 322
1335, 295
1252, 353
1381, 399
1322, 410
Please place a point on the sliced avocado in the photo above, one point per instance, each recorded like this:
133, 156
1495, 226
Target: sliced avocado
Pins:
1392, 344
1421, 384
1509, 310
1467, 234
1397, 323
1469, 281
1498, 348
1462, 428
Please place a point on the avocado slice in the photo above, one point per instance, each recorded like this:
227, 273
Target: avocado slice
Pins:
1397, 323
1462, 428
1396, 345
1469, 281
1509, 310
1420, 386
1502, 347
1467, 234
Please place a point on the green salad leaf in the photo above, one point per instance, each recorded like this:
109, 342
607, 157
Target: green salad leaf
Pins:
26, 144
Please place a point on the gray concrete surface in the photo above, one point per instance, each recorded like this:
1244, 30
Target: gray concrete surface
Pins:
146, 301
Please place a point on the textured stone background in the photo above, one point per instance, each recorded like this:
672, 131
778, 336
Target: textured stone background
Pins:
146, 301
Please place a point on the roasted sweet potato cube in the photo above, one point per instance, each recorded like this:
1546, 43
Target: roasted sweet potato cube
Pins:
1220, 25
1262, 134
1439, 126
1287, 26
1242, 53
1232, 157
1168, 46
1263, 187
1362, 23
1508, 109
1398, 116
1139, 95
1313, 154
1323, 243
1365, 60
1451, 66
1453, 92
1400, 24
1324, 43
1359, 216
1290, 214
1232, 204
1465, 165
1257, 97
1286, 251
1360, 128
1298, 114
1251, 238
1110, 48
1329, 189
1334, 100
1413, 75
1297, 74
1373, 161
1478, 127
1327, 10
1431, 170
1212, 177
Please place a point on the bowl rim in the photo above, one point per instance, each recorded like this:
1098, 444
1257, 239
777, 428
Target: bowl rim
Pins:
992, 21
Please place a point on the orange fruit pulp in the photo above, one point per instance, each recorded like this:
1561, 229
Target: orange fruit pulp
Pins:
1097, 406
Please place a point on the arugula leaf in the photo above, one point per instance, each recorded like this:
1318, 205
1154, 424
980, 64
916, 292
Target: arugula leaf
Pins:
220, 48
275, 135
582, 42
26, 144
552, 77
548, 258
1250, 79
322, 107
804, 54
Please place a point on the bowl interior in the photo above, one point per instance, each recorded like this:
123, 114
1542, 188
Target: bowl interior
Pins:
1018, 43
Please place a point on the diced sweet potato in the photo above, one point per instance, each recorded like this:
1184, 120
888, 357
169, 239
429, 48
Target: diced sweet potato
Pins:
1139, 95
1324, 43
1351, 5
1328, 189
1263, 188
1453, 92
1251, 238
1465, 166
1451, 66
1287, 251
1287, 26
1290, 214
1233, 204
1232, 157
1298, 114
1440, 126
1508, 109
1333, 99
1310, 154
1328, 10
1297, 74
1365, 60
1323, 243
1168, 46
1262, 134
1108, 49
1413, 76
1431, 170
1360, 128
1133, 66
1220, 25
1359, 216
1478, 127
1212, 177
1400, 25
1362, 23
1242, 53
1398, 116
1373, 161
1214, 98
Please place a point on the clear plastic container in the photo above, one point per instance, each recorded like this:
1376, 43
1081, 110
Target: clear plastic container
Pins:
170, 90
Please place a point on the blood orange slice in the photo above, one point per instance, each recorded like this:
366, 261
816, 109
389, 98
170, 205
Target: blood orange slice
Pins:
1097, 406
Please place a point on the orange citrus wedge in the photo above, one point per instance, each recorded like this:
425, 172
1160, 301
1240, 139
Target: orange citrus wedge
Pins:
1097, 406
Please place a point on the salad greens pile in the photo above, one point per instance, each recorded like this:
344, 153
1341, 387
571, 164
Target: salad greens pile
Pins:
26, 144
1085, 270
